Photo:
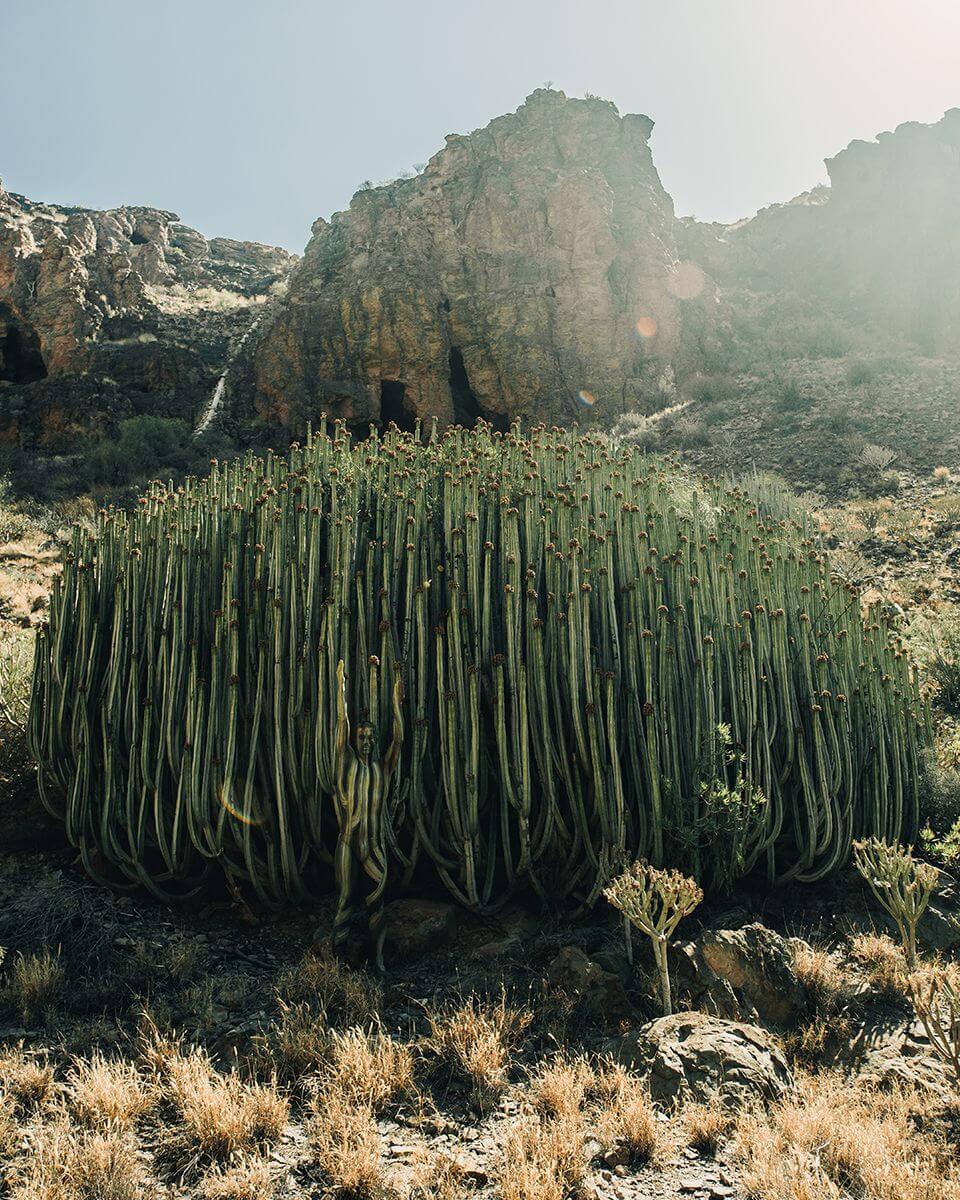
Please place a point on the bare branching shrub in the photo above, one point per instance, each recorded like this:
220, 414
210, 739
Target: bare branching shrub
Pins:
655, 901
936, 998
473, 1041
900, 884
876, 459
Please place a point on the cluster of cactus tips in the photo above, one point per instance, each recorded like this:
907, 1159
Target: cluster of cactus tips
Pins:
528, 643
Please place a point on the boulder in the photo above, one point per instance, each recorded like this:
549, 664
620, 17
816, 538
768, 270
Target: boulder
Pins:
757, 963
419, 927
695, 1056
586, 982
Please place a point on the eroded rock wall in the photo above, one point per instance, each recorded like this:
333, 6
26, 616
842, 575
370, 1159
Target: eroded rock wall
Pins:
530, 270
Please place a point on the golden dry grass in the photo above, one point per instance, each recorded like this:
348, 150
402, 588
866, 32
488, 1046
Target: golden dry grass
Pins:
296, 1044
833, 1139
706, 1126
64, 1163
344, 996
248, 1179
882, 961
26, 1078
106, 1092
625, 1118
559, 1087
474, 1040
345, 1145
34, 985
369, 1069
216, 1116
822, 977
542, 1159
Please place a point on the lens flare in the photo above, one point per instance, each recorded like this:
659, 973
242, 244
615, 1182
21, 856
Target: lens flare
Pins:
587, 399
686, 281
647, 327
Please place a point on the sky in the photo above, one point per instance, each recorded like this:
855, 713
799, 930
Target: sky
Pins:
250, 118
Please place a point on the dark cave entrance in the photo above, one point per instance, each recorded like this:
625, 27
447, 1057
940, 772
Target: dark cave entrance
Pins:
138, 239
466, 406
20, 357
393, 406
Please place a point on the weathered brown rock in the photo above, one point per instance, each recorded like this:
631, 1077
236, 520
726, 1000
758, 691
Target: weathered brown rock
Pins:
587, 983
507, 279
758, 965
692, 1055
100, 311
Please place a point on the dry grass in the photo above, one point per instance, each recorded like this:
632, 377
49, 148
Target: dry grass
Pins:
822, 977
542, 1160
474, 1039
706, 1126
559, 1088
34, 986
346, 1147
344, 996
833, 1139
63, 1163
438, 1177
107, 1092
369, 1069
249, 1179
626, 1119
216, 1115
296, 1045
26, 1078
882, 959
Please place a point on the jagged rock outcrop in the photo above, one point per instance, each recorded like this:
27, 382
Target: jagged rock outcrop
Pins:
879, 248
531, 269
115, 311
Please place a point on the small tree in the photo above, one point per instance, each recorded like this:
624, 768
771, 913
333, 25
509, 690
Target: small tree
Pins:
936, 998
656, 902
900, 884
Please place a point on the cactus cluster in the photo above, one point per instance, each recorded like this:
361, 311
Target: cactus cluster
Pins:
571, 624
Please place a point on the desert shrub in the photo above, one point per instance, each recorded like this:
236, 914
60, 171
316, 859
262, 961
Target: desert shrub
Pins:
860, 372
13, 522
638, 430
713, 389
790, 396
934, 638
560, 613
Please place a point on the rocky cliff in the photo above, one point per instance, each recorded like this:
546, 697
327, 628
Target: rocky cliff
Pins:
107, 313
530, 270
879, 248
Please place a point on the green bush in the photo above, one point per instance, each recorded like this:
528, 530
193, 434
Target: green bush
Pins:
544, 629
860, 372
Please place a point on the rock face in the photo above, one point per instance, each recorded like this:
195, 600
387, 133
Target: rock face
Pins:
116, 311
692, 1055
758, 965
530, 270
880, 247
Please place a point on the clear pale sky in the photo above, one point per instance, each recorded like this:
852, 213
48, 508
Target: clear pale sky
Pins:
251, 117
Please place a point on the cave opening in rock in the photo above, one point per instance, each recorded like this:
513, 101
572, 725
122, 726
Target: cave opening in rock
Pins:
138, 239
393, 406
466, 406
20, 357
